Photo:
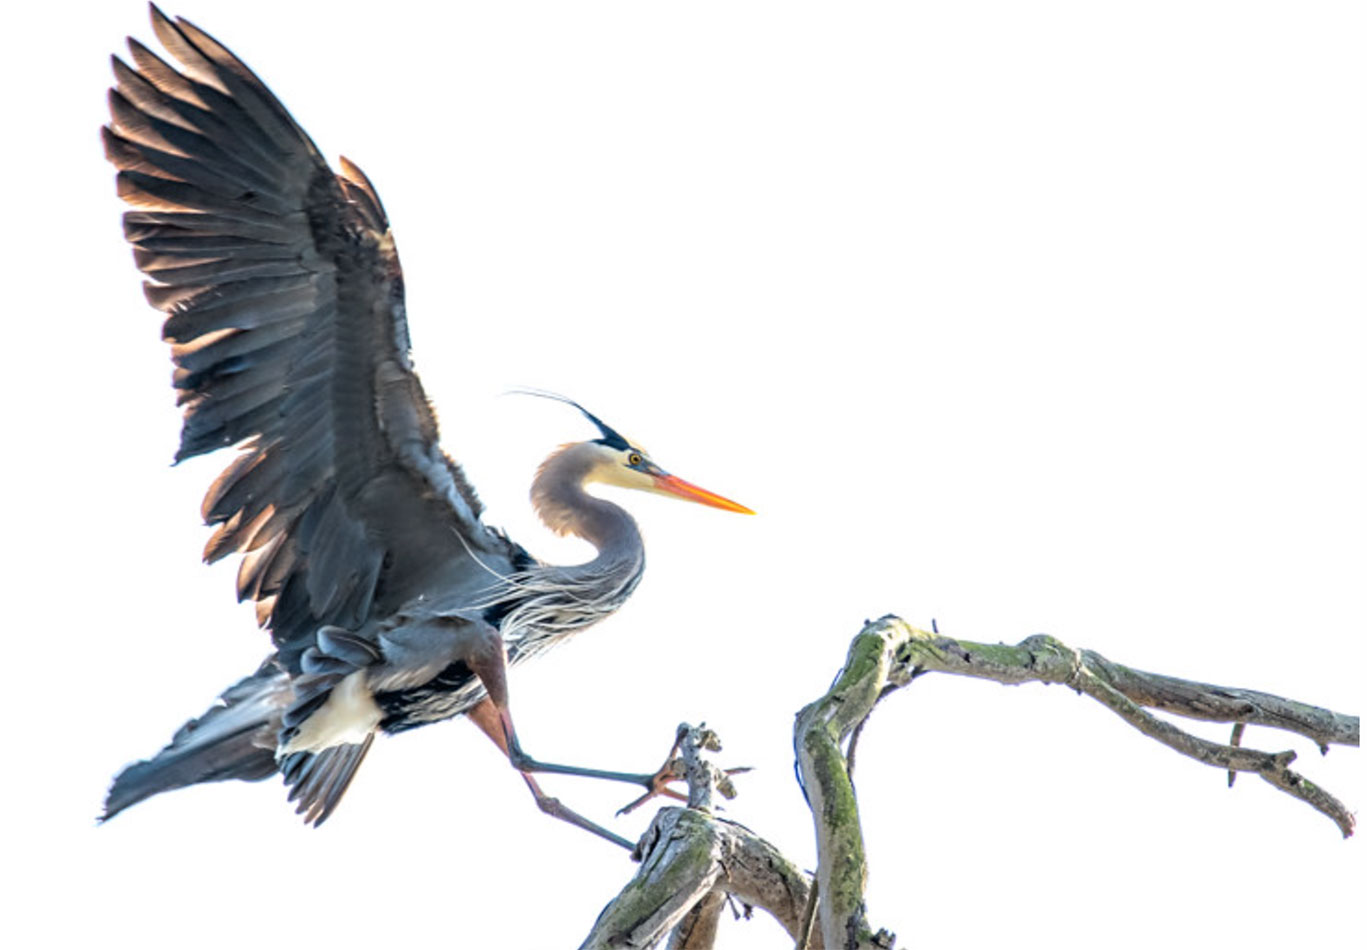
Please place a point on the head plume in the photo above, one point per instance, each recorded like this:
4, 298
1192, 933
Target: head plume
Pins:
610, 436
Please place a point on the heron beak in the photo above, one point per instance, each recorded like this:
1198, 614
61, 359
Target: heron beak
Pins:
673, 485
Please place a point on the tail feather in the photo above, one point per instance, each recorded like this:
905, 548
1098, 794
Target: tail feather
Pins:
235, 739
318, 779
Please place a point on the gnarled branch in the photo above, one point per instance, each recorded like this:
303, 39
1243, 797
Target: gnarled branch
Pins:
690, 860
871, 666
889, 653
1126, 692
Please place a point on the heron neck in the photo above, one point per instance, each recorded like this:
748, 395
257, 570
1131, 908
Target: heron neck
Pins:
564, 506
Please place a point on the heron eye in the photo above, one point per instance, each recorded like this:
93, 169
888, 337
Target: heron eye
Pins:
634, 459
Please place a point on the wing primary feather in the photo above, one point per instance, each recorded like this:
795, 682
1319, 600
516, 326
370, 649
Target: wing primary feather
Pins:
240, 305
205, 242
161, 76
219, 179
195, 440
158, 90
167, 194
145, 123
231, 395
177, 271
211, 111
188, 223
253, 566
204, 353
202, 51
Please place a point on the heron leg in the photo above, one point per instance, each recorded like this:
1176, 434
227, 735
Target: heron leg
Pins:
492, 715
490, 665
494, 718
497, 726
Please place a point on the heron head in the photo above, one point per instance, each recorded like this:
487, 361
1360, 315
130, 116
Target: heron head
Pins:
628, 466
615, 460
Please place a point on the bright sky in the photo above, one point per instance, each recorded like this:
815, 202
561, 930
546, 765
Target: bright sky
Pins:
1027, 318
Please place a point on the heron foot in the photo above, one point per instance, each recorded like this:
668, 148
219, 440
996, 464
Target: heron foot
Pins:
657, 785
673, 770
660, 781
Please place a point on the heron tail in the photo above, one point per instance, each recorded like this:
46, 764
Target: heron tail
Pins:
235, 739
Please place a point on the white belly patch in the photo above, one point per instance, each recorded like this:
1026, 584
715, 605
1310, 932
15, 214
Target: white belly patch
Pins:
349, 715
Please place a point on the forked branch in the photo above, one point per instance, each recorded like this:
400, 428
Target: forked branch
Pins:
691, 859
889, 653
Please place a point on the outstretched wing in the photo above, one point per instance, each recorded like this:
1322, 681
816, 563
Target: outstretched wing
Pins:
285, 314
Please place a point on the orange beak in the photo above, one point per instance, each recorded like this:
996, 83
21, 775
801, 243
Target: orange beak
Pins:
674, 485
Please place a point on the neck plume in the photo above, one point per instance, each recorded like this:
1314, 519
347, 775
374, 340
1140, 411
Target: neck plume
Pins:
549, 602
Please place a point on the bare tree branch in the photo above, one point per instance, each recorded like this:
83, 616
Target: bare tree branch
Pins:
870, 667
1043, 659
698, 929
889, 653
690, 861
1126, 691
680, 865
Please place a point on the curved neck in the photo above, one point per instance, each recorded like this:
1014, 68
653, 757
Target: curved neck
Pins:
562, 504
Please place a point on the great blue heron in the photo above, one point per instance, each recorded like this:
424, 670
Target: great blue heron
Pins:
390, 603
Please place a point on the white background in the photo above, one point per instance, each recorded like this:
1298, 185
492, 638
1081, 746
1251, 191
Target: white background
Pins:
1026, 317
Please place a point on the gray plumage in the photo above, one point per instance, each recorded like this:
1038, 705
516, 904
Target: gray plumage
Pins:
389, 602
